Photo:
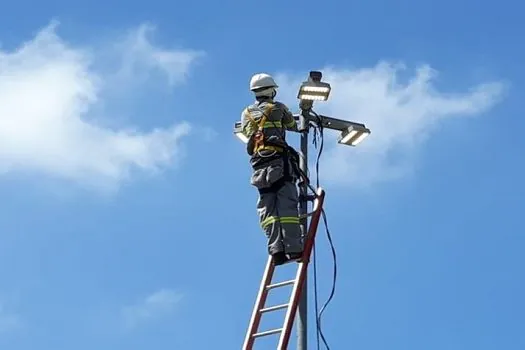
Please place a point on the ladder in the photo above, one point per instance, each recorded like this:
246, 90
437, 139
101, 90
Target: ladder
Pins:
266, 285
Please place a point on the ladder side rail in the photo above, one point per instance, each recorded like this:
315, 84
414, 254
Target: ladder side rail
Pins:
301, 271
259, 304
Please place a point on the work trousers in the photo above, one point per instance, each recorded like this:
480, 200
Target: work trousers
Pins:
277, 206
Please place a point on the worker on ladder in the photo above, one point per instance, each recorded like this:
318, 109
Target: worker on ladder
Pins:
275, 169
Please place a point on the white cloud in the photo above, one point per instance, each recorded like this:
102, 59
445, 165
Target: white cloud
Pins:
141, 52
153, 306
400, 115
49, 91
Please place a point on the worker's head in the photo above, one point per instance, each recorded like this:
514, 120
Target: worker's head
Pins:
263, 85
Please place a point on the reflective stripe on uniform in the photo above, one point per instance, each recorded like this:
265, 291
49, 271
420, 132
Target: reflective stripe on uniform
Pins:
289, 220
290, 124
272, 124
283, 220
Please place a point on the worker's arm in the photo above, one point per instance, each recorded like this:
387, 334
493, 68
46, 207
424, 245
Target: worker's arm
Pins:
288, 120
248, 127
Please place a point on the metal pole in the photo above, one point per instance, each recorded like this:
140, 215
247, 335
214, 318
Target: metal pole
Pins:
302, 333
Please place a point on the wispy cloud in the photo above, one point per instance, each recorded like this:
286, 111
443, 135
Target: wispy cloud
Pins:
49, 90
400, 115
142, 53
156, 305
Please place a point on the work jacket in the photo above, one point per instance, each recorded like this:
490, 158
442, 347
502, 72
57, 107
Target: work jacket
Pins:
278, 119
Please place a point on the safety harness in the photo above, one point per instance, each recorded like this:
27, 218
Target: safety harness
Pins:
259, 142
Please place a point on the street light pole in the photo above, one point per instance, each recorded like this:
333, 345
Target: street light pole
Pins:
302, 329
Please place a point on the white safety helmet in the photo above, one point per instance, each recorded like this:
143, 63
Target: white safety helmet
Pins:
262, 84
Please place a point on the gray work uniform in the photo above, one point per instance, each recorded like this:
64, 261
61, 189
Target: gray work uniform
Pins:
274, 177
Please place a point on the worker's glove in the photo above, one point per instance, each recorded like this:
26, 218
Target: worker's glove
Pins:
302, 129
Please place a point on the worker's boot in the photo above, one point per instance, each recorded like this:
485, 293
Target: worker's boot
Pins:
294, 256
279, 258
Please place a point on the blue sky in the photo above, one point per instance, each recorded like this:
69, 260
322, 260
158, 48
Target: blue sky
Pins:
128, 221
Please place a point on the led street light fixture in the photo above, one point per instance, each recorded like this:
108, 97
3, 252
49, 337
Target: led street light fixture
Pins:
353, 135
314, 91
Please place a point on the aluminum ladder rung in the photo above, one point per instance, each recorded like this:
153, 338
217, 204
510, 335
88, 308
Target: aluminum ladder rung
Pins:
273, 308
280, 284
270, 332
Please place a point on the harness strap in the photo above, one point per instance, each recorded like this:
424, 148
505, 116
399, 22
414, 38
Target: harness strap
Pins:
259, 134
269, 148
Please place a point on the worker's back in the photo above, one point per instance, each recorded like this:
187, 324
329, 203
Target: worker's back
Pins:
278, 119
